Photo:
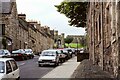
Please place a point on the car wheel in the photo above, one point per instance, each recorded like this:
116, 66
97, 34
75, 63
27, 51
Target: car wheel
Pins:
56, 64
63, 60
18, 78
39, 65
22, 58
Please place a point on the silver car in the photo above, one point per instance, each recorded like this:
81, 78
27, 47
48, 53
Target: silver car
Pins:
48, 57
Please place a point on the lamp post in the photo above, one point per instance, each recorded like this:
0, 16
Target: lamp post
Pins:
77, 45
9, 44
59, 43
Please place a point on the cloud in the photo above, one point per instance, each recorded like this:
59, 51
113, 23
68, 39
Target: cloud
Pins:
45, 12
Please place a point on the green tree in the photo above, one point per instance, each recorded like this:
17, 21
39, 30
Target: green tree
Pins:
68, 40
75, 11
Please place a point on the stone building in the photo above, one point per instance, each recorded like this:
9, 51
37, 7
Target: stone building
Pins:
40, 37
22, 32
59, 40
50, 39
47, 38
17, 33
31, 37
76, 38
103, 30
8, 24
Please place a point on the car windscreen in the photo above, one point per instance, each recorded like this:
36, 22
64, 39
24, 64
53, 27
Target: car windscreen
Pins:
48, 53
1, 52
59, 51
65, 51
2, 67
27, 51
18, 51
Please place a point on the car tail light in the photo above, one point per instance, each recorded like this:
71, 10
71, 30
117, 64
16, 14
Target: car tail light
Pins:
19, 54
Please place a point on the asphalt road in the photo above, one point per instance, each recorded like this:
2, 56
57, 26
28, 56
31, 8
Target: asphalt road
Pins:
29, 69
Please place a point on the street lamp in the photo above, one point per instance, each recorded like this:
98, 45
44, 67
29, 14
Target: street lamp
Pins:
77, 45
59, 43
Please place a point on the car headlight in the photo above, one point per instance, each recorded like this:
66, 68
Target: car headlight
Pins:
54, 60
40, 60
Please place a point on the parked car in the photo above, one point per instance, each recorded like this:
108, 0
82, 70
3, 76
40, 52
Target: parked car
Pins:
65, 51
62, 56
5, 53
70, 52
19, 54
29, 53
8, 69
49, 57
73, 51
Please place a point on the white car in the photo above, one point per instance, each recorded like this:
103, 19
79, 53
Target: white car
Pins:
4, 53
48, 57
8, 69
29, 53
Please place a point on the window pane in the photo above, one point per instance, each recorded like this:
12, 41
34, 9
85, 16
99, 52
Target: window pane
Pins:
2, 67
8, 67
14, 65
1, 52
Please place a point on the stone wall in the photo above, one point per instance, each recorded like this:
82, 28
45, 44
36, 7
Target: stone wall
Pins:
103, 40
10, 20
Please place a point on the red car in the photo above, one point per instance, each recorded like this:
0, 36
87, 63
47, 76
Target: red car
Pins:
19, 54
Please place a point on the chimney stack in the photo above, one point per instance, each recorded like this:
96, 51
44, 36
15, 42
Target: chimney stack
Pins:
23, 16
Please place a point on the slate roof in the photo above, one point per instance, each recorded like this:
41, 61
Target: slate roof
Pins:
32, 27
5, 6
23, 23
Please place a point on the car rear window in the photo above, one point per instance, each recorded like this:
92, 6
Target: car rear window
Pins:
2, 67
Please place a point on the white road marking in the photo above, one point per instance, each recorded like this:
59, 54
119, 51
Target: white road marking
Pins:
21, 64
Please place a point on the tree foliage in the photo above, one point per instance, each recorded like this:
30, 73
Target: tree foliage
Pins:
75, 11
68, 40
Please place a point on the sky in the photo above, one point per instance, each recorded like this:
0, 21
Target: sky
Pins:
45, 12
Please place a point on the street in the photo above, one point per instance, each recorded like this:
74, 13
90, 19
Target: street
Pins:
79, 38
29, 69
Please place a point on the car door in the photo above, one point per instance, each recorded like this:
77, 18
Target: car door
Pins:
9, 72
15, 69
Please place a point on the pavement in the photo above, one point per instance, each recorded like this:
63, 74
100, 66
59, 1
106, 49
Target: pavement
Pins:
88, 70
65, 70
72, 70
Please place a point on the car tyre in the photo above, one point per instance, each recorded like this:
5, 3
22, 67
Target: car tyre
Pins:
18, 78
39, 65
56, 64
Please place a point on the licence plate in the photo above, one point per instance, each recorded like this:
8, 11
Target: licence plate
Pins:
46, 62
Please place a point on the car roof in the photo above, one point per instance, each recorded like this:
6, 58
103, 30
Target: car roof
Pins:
6, 59
27, 49
3, 49
49, 50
